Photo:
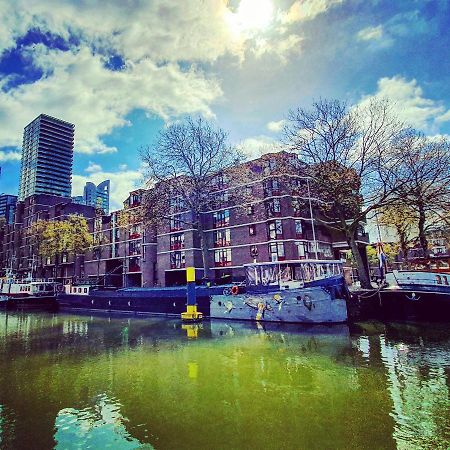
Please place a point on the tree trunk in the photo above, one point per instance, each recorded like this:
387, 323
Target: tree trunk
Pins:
205, 251
422, 237
362, 269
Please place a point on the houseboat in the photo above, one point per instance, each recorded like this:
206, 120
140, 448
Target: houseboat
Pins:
300, 291
416, 294
28, 292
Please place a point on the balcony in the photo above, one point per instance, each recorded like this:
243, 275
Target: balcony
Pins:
222, 263
222, 243
134, 268
177, 246
178, 265
135, 235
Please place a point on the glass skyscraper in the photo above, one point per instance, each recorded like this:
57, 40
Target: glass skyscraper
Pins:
47, 154
96, 196
7, 207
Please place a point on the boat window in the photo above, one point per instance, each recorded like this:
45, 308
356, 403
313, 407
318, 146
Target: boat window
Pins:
85, 290
438, 279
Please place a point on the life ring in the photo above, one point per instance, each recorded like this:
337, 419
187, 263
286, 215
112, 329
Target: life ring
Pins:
59, 288
235, 290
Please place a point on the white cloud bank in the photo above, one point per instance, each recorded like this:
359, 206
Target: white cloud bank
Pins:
9, 156
410, 104
78, 88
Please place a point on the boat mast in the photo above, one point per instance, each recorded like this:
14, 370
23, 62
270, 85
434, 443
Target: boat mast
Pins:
312, 219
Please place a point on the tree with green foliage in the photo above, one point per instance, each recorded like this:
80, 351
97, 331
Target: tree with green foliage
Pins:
52, 238
402, 218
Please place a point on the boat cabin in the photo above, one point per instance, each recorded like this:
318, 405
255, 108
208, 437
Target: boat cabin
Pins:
291, 274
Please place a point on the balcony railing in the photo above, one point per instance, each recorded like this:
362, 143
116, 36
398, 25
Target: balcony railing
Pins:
222, 263
177, 246
222, 243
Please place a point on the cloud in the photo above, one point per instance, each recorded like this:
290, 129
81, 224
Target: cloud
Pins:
122, 182
254, 147
93, 167
77, 87
163, 30
307, 10
370, 33
276, 127
10, 156
282, 47
409, 103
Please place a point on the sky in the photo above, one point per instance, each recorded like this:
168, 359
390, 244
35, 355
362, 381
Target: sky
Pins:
122, 71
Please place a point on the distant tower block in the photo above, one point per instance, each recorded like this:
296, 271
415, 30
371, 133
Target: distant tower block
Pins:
47, 155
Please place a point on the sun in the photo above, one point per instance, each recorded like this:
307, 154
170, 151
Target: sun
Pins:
252, 15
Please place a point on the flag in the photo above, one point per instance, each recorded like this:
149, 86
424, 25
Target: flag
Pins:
381, 255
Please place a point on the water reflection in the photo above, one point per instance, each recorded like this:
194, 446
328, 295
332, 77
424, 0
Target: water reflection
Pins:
99, 426
83, 381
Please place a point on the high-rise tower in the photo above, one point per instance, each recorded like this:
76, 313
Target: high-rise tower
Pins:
47, 154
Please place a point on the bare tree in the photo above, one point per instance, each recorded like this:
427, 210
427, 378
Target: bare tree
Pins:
425, 170
352, 161
186, 167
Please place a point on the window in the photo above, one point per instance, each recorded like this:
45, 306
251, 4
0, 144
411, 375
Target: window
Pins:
64, 258
222, 238
325, 249
177, 241
298, 228
250, 210
221, 198
302, 251
252, 230
275, 229
221, 218
178, 260
276, 251
273, 207
272, 164
249, 190
135, 231
221, 181
134, 264
222, 257
254, 251
175, 223
176, 204
134, 248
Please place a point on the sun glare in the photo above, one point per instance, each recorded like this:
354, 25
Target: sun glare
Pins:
253, 15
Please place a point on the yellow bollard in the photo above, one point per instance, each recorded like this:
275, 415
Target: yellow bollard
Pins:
191, 313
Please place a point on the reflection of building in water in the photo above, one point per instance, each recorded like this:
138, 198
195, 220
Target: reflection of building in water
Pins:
75, 327
100, 426
419, 393
18, 324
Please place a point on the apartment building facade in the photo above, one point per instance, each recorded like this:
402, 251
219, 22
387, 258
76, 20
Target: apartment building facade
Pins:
19, 256
271, 217
275, 222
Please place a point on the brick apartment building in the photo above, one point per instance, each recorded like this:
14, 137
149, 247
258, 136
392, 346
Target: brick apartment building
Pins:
16, 250
273, 223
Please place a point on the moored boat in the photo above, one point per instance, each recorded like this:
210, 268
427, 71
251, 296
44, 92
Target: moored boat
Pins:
300, 291
28, 292
417, 294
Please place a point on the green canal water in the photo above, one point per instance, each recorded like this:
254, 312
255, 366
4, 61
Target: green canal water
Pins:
79, 382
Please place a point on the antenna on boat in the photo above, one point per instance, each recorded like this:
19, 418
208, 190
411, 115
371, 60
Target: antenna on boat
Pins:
312, 219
